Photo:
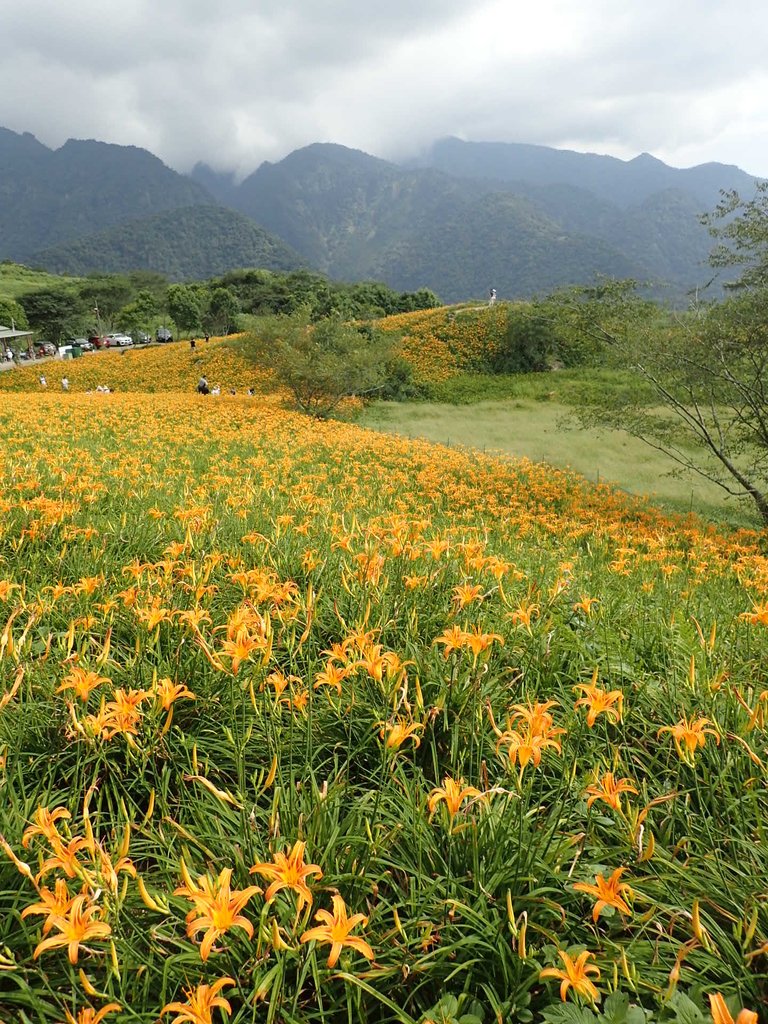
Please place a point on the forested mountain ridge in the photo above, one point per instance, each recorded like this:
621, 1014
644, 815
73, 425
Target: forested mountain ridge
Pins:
460, 219
623, 182
188, 243
49, 197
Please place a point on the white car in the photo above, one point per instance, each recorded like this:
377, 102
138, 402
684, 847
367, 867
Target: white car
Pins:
121, 340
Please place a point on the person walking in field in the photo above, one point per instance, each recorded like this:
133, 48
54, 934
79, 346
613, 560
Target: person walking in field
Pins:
492, 297
65, 384
43, 381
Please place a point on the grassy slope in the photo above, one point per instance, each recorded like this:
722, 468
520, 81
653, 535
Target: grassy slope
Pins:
16, 279
533, 417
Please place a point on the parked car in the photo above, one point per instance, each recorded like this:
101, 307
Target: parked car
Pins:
141, 338
120, 340
45, 348
83, 343
163, 334
99, 341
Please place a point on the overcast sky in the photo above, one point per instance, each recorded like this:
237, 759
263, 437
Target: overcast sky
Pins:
237, 82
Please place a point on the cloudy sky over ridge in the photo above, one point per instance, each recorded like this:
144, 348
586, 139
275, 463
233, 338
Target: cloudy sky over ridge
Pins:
241, 81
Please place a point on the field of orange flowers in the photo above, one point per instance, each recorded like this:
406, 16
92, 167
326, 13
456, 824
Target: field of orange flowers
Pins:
440, 343
301, 723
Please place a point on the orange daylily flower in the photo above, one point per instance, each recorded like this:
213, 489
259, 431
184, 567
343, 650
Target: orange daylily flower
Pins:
53, 904
575, 975
241, 647
536, 716
167, 691
585, 605
528, 746
64, 858
535, 732
454, 793
453, 638
122, 714
722, 1015
609, 892
153, 614
332, 675
193, 617
279, 681
44, 824
524, 614
479, 642
607, 702
398, 731
6, 587
82, 681
465, 593
690, 735
289, 872
200, 1004
336, 929
216, 908
91, 1016
76, 926
758, 615
609, 790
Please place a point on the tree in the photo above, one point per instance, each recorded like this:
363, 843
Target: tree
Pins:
105, 293
741, 226
702, 397
526, 342
12, 315
55, 313
185, 306
138, 315
223, 309
322, 363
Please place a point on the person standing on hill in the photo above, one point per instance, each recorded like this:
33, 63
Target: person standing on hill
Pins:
492, 297
202, 386
65, 384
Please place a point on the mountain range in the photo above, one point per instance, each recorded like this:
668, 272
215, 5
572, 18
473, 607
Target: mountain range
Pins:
459, 219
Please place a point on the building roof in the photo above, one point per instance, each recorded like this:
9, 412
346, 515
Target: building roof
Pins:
6, 332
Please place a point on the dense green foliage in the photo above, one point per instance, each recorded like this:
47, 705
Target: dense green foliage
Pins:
263, 292
58, 307
49, 197
183, 244
12, 314
55, 313
322, 362
741, 225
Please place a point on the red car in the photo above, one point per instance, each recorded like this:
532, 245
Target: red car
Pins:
99, 341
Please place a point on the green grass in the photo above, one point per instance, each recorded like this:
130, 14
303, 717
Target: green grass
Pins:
16, 280
543, 429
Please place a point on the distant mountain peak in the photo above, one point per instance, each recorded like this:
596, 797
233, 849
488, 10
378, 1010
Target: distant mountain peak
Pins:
648, 159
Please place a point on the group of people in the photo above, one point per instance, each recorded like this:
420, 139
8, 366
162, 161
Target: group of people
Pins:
102, 389
203, 388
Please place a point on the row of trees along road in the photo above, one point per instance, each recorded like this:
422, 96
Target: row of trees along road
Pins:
707, 368
142, 300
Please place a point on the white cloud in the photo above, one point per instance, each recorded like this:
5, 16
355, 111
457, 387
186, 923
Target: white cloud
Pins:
238, 82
